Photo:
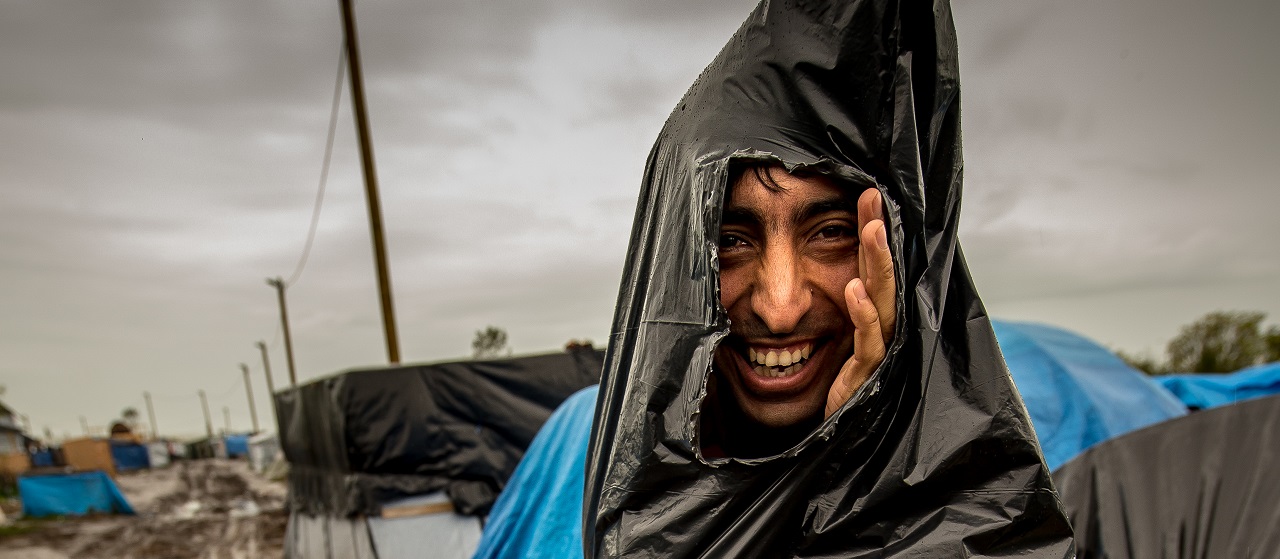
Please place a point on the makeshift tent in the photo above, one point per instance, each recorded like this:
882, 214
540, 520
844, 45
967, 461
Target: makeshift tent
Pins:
129, 456
235, 446
264, 448
1196, 487
1203, 391
43, 458
362, 441
539, 514
1077, 393
71, 495
158, 454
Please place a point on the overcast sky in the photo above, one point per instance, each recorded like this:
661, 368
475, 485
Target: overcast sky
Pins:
161, 158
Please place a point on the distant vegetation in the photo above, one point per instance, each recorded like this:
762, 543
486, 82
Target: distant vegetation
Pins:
1219, 342
490, 343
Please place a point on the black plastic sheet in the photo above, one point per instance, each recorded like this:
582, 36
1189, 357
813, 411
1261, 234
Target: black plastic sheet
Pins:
364, 437
1202, 486
935, 455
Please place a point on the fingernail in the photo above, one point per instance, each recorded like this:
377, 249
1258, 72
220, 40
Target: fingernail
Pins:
881, 238
859, 290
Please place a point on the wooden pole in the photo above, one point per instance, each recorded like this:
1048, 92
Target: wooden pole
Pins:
370, 181
248, 388
278, 283
271, 385
151, 414
208, 420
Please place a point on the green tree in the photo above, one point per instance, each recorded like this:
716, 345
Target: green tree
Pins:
1222, 342
1273, 343
130, 416
489, 343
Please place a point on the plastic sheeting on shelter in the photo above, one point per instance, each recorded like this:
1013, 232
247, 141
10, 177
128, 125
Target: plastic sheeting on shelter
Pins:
1206, 390
1196, 487
539, 513
71, 495
358, 439
934, 456
1077, 393
129, 456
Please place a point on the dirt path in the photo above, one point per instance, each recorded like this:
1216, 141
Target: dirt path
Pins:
205, 509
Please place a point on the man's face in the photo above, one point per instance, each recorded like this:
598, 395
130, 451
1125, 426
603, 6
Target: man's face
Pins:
788, 248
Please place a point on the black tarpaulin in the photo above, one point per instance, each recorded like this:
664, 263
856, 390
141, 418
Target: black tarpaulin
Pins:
363, 437
935, 455
1203, 486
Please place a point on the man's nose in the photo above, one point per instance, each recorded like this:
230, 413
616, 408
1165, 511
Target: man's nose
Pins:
780, 298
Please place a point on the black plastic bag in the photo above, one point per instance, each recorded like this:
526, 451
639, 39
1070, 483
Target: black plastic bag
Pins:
935, 455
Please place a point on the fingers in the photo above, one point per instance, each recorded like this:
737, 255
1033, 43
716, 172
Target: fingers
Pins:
875, 265
868, 346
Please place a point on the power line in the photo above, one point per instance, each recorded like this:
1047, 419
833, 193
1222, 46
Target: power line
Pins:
324, 168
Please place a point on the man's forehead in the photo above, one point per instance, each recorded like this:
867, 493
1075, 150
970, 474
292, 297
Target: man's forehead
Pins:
760, 193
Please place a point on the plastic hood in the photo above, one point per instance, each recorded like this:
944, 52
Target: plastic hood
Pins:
935, 455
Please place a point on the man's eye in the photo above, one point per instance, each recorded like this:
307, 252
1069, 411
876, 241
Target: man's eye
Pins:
731, 241
834, 232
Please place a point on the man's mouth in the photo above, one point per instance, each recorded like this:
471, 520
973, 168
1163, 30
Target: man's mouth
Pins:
778, 362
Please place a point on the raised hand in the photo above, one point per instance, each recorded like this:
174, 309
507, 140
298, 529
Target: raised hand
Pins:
872, 301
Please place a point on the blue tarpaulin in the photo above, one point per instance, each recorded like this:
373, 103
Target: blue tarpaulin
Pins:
42, 459
237, 445
539, 514
71, 495
1077, 393
129, 456
1203, 391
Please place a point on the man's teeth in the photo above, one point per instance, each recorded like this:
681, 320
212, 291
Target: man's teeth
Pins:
774, 363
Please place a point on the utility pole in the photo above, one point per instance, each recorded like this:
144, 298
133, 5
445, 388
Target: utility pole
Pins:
248, 388
84, 424
226, 416
278, 283
208, 420
370, 180
151, 413
271, 385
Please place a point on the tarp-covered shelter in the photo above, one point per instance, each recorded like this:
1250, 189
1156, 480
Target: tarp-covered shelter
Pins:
71, 495
1196, 487
539, 514
235, 446
129, 456
362, 445
1205, 390
1077, 392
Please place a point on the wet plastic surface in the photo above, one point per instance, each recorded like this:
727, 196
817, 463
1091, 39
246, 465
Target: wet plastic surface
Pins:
935, 456
1196, 487
360, 438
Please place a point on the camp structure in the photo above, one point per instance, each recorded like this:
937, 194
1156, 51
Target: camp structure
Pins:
73, 494
1077, 392
14, 459
1196, 487
1208, 390
392, 462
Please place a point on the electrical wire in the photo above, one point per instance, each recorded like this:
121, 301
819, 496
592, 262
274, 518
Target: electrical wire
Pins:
324, 168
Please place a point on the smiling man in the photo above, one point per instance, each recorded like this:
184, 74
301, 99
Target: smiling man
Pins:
807, 280
800, 364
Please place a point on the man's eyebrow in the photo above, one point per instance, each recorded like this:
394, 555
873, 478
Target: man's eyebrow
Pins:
828, 205
741, 216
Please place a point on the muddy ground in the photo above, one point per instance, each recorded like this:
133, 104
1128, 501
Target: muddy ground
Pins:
205, 509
